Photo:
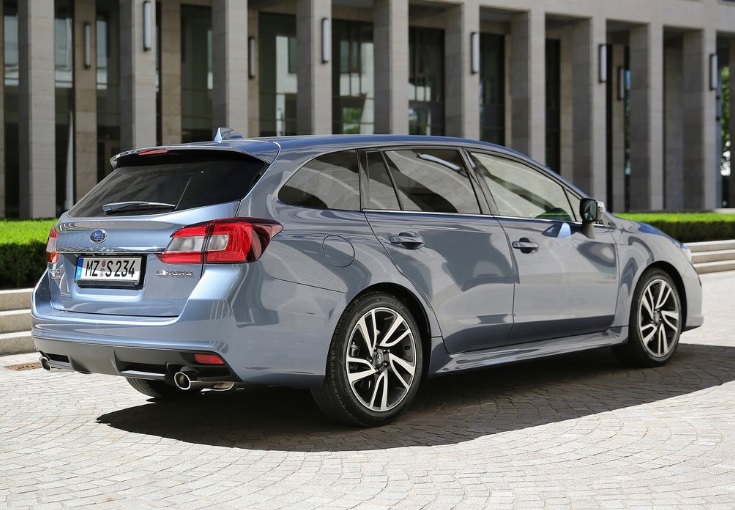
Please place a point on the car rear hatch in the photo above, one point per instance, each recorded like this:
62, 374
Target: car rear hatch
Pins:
106, 254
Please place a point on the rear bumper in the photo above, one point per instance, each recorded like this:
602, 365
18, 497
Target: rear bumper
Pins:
267, 331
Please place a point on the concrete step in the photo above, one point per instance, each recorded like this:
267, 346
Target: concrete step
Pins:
16, 343
19, 299
711, 246
12, 321
713, 256
714, 267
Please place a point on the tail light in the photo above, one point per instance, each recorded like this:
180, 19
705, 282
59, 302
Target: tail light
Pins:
227, 241
52, 255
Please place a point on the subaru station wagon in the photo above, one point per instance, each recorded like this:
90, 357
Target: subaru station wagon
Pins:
355, 266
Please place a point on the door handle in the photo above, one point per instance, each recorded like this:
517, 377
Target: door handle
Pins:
525, 245
407, 239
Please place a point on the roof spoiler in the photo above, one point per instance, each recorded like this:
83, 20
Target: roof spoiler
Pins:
225, 133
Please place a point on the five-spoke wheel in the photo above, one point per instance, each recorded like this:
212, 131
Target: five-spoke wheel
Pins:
374, 365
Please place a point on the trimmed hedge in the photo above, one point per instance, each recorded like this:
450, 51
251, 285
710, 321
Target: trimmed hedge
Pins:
23, 242
23, 251
689, 227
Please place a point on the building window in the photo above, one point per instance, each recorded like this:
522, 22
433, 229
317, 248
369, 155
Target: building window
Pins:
553, 104
278, 77
196, 73
492, 88
353, 80
10, 113
426, 81
108, 84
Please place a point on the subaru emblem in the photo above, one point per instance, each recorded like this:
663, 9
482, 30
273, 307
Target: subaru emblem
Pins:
98, 236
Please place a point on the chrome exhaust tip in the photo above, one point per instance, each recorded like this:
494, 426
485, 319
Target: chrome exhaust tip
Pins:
182, 381
45, 364
186, 382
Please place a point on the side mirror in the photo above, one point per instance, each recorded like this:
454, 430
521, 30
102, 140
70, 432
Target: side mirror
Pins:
591, 211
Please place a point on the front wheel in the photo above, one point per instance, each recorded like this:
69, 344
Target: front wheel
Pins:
374, 363
655, 321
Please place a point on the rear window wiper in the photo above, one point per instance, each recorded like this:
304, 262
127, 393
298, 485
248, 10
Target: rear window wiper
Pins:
136, 205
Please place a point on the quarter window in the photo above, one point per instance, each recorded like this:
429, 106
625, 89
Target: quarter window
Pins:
432, 180
521, 191
328, 182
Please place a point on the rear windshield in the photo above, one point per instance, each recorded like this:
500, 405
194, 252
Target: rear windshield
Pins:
194, 182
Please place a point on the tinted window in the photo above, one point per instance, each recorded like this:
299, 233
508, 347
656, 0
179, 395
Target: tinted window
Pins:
328, 182
382, 194
184, 181
432, 180
521, 191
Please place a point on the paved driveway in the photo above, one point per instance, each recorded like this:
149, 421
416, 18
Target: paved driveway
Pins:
572, 432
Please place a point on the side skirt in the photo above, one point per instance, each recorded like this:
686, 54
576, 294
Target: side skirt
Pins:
443, 363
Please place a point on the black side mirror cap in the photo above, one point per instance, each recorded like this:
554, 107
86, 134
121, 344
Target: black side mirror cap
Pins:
591, 211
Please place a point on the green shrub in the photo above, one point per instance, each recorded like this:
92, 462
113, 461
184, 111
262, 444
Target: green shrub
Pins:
23, 251
689, 227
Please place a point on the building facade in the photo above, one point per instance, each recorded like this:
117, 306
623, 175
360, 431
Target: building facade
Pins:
623, 98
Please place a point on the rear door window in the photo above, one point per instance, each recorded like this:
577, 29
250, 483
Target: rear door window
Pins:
330, 181
432, 180
175, 182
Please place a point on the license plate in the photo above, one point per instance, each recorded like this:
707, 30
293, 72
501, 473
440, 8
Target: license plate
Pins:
124, 270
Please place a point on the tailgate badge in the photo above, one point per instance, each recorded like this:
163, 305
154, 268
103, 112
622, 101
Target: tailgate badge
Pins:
98, 236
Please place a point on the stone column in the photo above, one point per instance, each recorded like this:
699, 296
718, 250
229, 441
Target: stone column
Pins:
138, 77
567, 104
37, 114
314, 101
528, 83
2, 127
618, 130
254, 83
463, 87
85, 99
698, 102
230, 64
590, 147
391, 66
170, 72
646, 117
673, 127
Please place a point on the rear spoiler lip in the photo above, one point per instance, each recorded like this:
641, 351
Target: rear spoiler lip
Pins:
263, 150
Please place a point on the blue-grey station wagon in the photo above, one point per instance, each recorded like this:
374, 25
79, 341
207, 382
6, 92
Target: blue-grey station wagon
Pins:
355, 266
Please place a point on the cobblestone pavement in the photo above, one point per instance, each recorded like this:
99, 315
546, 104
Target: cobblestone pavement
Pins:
572, 432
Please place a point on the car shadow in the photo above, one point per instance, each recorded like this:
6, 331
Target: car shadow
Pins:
447, 410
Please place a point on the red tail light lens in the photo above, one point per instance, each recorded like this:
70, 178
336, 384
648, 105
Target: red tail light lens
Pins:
51, 254
208, 359
226, 241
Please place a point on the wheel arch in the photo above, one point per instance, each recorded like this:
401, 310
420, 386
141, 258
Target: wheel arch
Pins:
418, 311
671, 271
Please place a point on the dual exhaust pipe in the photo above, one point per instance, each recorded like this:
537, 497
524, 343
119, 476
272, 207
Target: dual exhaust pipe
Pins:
185, 381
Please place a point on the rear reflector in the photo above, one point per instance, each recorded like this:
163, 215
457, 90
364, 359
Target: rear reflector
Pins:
225, 241
208, 359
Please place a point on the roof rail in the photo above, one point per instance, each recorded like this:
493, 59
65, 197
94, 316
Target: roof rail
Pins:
225, 133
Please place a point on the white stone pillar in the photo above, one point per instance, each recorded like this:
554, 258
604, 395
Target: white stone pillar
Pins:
37, 114
85, 99
698, 101
463, 86
590, 147
170, 72
673, 127
646, 117
314, 100
566, 106
391, 66
230, 64
138, 76
528, 83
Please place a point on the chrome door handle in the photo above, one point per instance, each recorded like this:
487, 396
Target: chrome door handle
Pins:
525, 245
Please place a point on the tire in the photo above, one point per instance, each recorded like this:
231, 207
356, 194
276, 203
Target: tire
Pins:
160, 390
374, 364
655, 321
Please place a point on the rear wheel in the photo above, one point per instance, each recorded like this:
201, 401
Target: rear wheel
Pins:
160, 390
374, 363
655, 321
